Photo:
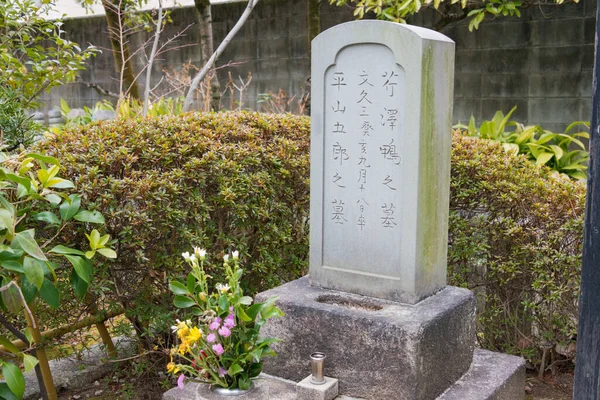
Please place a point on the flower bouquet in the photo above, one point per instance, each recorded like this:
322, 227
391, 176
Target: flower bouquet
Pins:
223, 347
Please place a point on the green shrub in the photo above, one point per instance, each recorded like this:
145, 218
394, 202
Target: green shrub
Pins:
220, 181
240, 181
562, 152
516, 233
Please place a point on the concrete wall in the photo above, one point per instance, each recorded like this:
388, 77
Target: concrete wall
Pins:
541, 62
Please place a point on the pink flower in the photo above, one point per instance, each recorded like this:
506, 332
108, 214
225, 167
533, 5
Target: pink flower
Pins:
224, 331
211, 338
218, 349
180, 381
215, 324
229, 321
231, 309
222, 372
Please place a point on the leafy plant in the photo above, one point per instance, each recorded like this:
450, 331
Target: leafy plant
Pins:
16, 126
225, 348
34, 54
218, 180
555, 150
35, 210
449, 10
515, 238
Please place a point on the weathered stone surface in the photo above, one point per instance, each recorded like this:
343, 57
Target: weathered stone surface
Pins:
267, 387
380, 159
74, 373
492, 376
76, 112
102, 115
306, 390
377, 349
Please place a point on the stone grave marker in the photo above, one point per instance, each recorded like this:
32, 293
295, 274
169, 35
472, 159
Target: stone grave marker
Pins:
380, 159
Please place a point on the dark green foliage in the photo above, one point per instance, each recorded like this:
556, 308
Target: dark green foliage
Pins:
220, 181
240, 181
516, 233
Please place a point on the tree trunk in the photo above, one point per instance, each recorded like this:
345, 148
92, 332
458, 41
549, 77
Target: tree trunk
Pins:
113, 14
204, 16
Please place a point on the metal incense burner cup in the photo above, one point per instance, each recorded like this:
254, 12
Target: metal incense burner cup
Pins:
317, 365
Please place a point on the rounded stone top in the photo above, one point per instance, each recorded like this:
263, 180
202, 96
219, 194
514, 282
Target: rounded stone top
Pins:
385, 27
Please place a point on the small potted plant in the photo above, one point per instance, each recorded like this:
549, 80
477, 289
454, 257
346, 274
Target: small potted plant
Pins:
221, 346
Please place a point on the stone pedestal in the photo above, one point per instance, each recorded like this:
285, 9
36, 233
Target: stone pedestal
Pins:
377, 349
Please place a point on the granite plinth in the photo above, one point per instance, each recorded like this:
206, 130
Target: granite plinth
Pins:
377, 349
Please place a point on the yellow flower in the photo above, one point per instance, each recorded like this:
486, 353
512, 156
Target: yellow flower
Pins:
194, 335
184, 347
172, 368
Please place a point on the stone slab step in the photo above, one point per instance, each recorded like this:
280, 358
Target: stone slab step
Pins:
492, 376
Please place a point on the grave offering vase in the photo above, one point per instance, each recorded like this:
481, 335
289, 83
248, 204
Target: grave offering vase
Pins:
227, 392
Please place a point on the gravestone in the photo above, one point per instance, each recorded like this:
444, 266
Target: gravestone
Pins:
380, 159
376, 302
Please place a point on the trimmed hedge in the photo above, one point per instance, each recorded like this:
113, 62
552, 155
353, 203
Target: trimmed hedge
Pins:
240, 181
516, 234
220, 181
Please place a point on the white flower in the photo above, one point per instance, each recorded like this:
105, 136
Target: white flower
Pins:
192, 258
235, 255
201, 253
222, 288
186, 255
226, 257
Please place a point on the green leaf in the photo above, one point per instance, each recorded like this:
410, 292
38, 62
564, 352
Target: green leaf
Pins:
69, 209
6, 393
60, 249
558, 152
28, 289
82, 266
34, 271
14, 379
26, 242
46, 159
12, 299
108, 253
54, 199
7, 221
183, 302
59, 183
94, 239
49, 293
93, 217
246, 300
255, 369
223, 303
543, 158
47, 216
4, 341
235, 369
178, 288
12, 265
80, 286
253, 311
29, 362
191, 282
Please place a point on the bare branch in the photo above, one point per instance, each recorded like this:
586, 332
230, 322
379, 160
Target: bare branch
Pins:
159, 29
209, 64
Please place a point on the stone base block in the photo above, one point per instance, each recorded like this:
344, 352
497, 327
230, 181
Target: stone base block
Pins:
492, 376
377, 349
306, 390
